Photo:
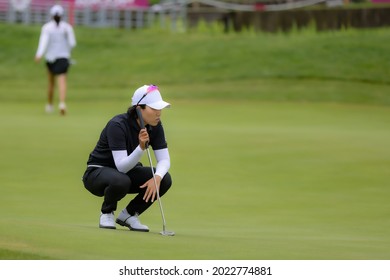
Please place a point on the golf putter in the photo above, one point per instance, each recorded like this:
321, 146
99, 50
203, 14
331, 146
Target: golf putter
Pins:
164, 231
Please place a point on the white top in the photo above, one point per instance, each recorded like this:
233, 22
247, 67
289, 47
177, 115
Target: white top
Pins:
56, 41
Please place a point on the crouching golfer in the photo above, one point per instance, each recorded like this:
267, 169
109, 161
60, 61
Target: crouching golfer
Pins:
114, 168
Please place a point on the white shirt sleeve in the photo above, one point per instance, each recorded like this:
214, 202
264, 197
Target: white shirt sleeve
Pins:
43, 42
163, 162
71, 37
123, 162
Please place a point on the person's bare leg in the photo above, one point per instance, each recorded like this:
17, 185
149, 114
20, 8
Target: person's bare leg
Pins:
62, 89
50, 92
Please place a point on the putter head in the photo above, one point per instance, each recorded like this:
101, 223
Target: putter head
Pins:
167, 233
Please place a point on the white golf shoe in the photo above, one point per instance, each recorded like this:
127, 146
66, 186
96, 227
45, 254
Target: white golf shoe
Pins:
132, 222
107, 220
49, 108
62, 107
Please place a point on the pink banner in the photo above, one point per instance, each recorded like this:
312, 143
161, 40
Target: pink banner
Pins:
111, 3
119, 4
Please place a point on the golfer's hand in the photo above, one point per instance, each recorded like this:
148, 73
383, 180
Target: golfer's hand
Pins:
37, 59
150, 193
143, 138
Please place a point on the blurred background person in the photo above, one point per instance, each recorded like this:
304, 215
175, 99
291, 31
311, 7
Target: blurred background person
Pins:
56, 41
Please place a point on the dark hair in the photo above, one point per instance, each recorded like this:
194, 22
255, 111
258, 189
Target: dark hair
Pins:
132, 112
57, 19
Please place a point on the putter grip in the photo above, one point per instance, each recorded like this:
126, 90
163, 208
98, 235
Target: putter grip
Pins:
141, 120
141, 123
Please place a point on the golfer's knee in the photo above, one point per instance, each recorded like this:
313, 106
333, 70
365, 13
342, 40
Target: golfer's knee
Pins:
166, 183
120, 185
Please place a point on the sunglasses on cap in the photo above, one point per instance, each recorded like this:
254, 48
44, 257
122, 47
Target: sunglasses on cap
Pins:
148, 90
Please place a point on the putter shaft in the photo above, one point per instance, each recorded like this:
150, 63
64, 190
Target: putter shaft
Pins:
157, 191
142, 125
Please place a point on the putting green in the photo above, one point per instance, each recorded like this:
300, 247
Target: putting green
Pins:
252, 180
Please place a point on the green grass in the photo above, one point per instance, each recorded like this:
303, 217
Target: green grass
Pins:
279, 145
270, 181
110, 62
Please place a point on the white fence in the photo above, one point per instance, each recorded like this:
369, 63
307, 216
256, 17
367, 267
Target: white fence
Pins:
137, 13
107, 14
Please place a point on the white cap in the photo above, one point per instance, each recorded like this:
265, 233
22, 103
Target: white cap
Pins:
56, 10
150, 96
